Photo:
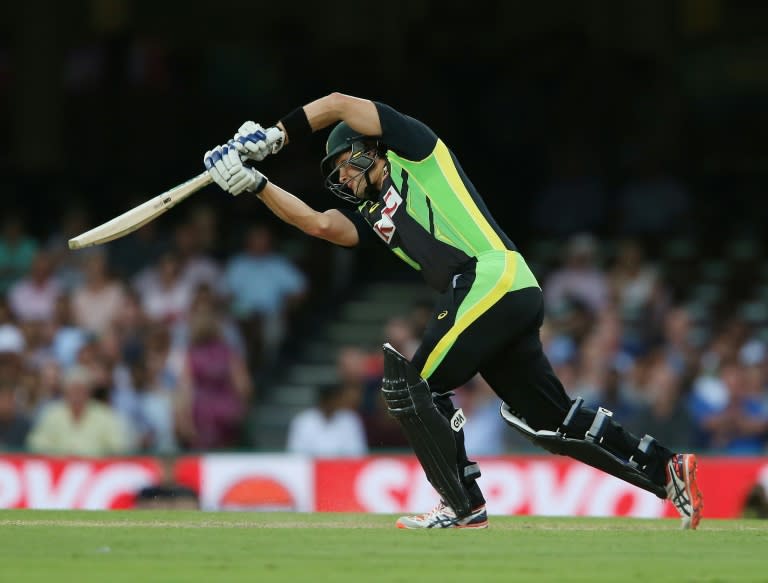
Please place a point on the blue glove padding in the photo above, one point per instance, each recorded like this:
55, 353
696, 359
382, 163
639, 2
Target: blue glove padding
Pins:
227, 170
256, 143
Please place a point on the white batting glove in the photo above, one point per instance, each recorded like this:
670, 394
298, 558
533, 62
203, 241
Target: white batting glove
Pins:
227, 170
256, 143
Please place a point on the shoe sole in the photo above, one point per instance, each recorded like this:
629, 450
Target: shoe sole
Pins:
483, 524
478, 525
694, 494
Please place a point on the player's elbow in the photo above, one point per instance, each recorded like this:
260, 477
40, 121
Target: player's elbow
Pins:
358, 112
324, 226
319, 227
338, 103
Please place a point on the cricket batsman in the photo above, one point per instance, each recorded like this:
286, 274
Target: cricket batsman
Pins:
404, 187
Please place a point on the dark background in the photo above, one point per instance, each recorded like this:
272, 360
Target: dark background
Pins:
106, 103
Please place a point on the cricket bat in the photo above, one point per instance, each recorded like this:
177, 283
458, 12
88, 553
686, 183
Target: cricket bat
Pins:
139, 216
148, 211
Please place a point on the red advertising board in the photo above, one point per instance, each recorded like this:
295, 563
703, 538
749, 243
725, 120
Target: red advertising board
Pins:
546, 485
513, 485
62, 483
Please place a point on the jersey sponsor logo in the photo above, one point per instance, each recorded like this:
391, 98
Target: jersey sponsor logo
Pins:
442, 314
374, 206
385, 226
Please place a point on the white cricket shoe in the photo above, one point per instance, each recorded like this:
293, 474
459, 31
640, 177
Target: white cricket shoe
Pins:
683, 490
443, 516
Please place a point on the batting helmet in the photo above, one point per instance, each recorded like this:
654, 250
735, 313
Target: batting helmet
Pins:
341, 139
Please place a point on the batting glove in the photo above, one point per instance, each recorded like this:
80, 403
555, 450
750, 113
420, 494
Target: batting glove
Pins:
256, 143
227, 170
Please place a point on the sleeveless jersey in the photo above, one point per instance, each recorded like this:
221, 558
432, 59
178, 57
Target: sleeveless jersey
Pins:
429, 213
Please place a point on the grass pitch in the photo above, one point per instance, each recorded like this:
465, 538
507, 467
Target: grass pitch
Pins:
168, 546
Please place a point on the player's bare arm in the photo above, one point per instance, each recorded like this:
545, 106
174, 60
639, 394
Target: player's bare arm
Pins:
330, 225
252, 142
360, 114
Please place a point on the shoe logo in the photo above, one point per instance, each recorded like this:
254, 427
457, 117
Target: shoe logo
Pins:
442, 314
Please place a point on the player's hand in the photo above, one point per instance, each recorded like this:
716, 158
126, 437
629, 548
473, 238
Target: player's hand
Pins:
228, 171
256, 143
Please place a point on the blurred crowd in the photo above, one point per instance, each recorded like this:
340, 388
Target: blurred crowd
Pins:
154, 345
161, 345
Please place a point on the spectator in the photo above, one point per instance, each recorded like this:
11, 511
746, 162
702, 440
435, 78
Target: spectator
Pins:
214, 388
132, 323
14, 423
575, 320
665, 415
197, 267
77, 424
399, 332
96, 302
332, 428
485, 432
100, 364
265, 289
154, 402
37, 337
40, 387
615, 392
33, 297
145, 394
633, 281
730, 411
353, 370
638, 293
677, 344
728, 337
165, 296
12, 346
591, 368
579, 279
604, 372
67, 338
205, 299
17, 250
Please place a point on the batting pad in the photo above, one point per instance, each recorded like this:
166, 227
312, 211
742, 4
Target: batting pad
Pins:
409, 400
583, 450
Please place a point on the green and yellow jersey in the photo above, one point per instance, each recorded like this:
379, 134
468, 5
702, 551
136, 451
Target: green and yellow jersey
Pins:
430, 214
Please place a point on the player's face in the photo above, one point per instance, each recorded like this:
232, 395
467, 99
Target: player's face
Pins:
353, 178
348, 175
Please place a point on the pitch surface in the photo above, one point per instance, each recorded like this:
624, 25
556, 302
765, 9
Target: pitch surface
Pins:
180, 546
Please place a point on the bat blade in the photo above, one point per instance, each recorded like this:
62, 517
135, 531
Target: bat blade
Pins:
139, 216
